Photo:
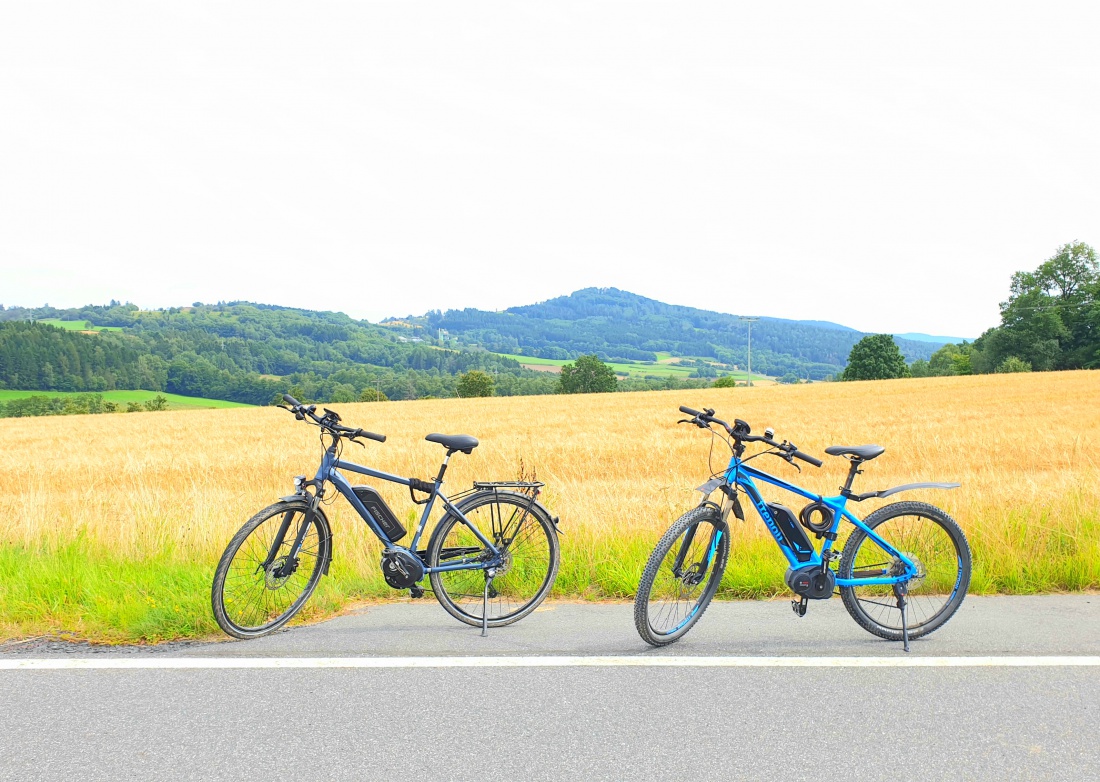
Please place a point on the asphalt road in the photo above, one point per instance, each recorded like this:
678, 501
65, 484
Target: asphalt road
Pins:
609, 722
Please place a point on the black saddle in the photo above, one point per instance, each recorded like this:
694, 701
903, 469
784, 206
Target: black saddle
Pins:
862, 452
454, 442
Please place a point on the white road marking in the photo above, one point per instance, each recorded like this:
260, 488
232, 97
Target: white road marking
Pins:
204, 663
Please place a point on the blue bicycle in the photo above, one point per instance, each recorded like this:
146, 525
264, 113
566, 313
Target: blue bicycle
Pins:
903, 571
491, 559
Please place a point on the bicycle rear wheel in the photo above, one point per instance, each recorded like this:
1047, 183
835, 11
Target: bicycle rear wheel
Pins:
250, 598
934, 542
681, 576
524, 533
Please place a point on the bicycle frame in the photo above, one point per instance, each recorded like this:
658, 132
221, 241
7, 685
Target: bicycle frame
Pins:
741, 475
329, 471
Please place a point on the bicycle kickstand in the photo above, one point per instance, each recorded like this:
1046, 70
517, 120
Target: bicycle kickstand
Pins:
489, 574
903, 604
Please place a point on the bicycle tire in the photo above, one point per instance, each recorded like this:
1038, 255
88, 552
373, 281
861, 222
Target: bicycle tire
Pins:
245, 598
644, 613
924, 617
534, 560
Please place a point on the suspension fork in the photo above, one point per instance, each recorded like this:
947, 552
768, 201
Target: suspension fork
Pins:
678, 563
290, 565
277, 541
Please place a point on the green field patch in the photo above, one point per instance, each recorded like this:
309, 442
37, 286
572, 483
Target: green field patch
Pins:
638, 369
175, 401
77, 325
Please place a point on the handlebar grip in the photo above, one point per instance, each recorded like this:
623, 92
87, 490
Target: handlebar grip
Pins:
689, 411
291, 400
378, 438
807, 458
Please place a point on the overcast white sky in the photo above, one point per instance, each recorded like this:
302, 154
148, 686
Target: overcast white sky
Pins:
883, 165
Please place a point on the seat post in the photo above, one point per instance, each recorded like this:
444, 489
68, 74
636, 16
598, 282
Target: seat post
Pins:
853, 471
443, 467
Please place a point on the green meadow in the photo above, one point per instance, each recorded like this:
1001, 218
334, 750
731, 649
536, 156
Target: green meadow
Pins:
77, 325
175, 401
663, 367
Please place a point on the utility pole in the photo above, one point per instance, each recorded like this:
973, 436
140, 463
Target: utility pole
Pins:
749, 321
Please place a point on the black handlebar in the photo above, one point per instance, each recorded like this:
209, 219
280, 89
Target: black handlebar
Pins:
807, 458
741, 432
328, 423
379, 438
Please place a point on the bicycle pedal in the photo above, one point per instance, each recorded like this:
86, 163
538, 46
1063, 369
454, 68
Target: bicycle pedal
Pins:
416, 592
800, 606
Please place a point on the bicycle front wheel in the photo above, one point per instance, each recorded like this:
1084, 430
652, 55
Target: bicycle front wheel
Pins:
934, 543
256, 590
681, 576
526, 537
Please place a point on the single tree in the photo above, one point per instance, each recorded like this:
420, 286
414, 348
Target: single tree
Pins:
726, 381
475, 383
156, 403
588, 375
371, 394
1013, 364
875, 357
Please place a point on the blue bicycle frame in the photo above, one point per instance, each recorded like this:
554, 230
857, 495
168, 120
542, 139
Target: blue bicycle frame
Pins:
741, 475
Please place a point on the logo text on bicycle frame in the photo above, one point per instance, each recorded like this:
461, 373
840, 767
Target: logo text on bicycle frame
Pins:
767, 516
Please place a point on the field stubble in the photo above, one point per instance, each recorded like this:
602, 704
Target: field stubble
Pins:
114, 523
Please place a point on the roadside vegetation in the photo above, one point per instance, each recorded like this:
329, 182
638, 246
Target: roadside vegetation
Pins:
23, 404
116, 537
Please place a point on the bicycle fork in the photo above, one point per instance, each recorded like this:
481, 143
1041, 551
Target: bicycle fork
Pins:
290, 564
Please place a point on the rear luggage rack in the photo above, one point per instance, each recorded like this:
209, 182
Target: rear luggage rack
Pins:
523, 485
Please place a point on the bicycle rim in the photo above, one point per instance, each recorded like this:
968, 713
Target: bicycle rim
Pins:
691, 566
930, 595
529, 546
255, 599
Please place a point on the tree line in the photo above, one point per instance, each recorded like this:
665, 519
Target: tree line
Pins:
77, 404
1051, 321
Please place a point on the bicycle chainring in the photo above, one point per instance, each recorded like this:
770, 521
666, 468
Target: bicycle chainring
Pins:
401, 569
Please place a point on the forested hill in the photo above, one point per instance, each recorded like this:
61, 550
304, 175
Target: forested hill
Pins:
615, 324
239, 351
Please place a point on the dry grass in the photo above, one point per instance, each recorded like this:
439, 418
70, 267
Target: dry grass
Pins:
84, 497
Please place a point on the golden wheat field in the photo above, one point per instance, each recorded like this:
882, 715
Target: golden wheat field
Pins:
113, 523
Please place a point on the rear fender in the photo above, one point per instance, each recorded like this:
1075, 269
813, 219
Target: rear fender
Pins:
897, 489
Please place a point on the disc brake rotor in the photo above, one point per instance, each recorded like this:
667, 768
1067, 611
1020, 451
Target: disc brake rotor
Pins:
273, 581
693, 575
505, 563
899, 567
